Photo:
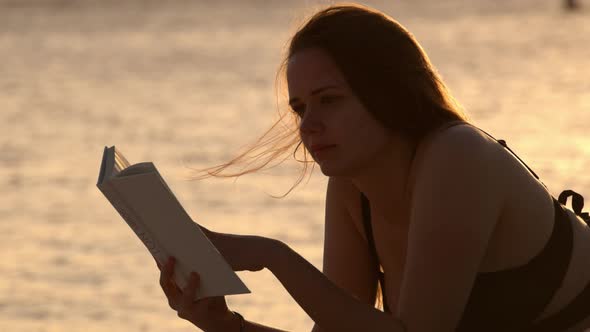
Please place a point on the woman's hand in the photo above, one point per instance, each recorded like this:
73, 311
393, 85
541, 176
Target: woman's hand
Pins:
208, 314
242, 252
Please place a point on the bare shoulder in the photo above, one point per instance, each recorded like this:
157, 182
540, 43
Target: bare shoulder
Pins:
476, 153
343, 191
464, 137
525, 202
494, 159
463, 152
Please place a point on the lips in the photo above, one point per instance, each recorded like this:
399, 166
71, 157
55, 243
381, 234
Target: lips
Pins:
319, 147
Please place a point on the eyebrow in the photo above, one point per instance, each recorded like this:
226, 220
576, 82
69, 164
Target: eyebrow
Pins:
314, 92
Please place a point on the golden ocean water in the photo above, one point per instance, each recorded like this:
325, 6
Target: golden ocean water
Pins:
184, 83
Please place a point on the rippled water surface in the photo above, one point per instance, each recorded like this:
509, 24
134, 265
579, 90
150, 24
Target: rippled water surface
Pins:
188, 84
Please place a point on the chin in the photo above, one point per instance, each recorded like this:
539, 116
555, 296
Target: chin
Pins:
344, 167
332, 169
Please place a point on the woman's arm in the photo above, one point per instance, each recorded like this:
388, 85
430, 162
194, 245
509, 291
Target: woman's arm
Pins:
329, 306
346, 262
348, 283
249, 327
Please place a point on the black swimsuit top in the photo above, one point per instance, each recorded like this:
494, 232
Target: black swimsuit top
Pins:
511, 299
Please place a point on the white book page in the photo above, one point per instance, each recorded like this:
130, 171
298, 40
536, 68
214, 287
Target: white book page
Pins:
167, 221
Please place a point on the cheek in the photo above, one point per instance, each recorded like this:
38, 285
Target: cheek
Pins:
366, 128
354, 126
353, 117
369, 141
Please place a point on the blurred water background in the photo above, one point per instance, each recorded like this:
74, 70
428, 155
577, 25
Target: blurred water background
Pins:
188, 83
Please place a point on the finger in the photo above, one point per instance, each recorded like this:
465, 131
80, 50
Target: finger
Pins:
189, 291
166, 271
168, 284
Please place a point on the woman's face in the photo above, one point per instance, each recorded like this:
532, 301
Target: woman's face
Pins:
342, 136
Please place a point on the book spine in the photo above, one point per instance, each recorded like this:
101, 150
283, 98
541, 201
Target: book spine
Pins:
134, 222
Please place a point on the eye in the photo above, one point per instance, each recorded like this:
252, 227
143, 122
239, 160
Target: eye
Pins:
298, 109
328, 99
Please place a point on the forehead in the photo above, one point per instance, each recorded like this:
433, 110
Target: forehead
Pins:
311, 68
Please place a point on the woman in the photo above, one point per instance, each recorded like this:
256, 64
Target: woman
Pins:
467, 236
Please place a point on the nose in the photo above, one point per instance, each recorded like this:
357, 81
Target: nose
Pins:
310, 124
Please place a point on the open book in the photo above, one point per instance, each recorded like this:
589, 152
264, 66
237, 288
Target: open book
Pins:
144, 200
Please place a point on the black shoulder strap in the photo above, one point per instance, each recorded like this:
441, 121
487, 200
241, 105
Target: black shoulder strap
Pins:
368, 226
577, 203
503, 143
373, 251
577, 199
